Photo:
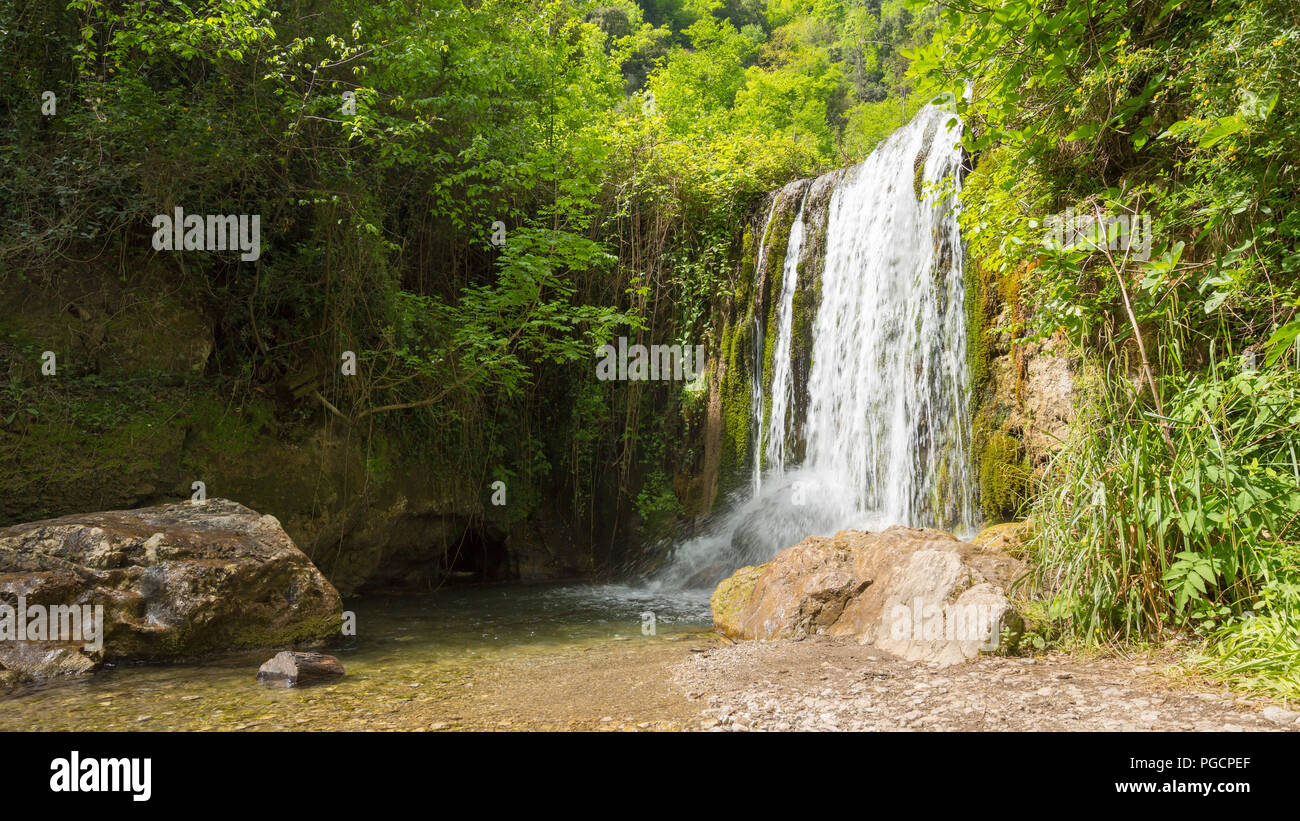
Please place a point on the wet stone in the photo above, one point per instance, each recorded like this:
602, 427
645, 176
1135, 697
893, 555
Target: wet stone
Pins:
295, 669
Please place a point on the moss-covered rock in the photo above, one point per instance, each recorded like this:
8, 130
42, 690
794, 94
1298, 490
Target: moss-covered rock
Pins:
748, 312
1021, 389
1012, 538
730, 597
1004, 478
160, 336
736, 400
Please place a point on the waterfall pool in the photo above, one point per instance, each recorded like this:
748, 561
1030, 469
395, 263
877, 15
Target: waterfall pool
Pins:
412, 655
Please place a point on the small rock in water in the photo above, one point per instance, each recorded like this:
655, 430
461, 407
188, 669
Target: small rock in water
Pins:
293, 669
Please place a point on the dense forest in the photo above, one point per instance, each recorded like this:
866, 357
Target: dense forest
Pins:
469, 197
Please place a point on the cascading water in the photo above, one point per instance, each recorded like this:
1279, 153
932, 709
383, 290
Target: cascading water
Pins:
756, 382
887, 407
756, 402
782, 367
884, 429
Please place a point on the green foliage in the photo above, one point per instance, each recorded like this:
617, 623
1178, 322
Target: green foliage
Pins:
1181, 519
1259, 653
495, 333
1174, 502
620, 219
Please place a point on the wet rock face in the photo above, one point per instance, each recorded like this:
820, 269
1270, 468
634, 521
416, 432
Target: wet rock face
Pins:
176, 580
920, 594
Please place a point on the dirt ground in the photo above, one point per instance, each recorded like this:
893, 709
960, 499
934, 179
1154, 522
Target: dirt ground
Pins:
821, 684
700, 682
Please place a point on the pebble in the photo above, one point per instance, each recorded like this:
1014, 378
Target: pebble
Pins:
1279, 716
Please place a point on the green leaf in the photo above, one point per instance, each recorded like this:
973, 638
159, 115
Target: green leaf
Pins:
1180, 127
1222, 128
1084, 132
1281, 339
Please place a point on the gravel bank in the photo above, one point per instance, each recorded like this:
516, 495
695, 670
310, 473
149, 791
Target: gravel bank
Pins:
824, 684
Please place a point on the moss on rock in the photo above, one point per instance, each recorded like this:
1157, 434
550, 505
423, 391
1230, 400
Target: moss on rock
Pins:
736, 401
1004, 477
730, 597
1012, 538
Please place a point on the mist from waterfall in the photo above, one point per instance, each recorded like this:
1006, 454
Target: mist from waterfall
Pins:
884, 431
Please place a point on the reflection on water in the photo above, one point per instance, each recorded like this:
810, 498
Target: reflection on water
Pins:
405, 649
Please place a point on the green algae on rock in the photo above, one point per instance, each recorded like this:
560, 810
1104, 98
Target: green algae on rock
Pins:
731, 596
1012, 538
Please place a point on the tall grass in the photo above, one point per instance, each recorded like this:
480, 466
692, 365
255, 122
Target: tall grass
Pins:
1185, 520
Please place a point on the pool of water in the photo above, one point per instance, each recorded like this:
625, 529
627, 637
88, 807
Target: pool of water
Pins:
407, 650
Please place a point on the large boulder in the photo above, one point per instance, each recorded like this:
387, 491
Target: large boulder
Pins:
174, 581
920, 594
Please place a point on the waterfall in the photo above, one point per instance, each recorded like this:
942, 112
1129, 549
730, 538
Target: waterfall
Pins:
883, 426
887, 410
756, 378
782, 367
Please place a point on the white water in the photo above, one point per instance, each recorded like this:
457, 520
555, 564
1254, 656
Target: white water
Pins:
756, 382
782, 367
887, 406
886, 432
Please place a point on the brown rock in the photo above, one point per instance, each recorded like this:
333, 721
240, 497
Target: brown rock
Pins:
293, 669
801, 592
921, 594
174, 580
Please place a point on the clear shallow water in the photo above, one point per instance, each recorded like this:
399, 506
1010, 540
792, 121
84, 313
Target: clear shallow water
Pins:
408, 651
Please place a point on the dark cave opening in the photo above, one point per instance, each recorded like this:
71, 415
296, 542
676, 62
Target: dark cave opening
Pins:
423, 555
478, 556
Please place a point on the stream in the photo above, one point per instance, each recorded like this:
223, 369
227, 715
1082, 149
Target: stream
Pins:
409, 652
